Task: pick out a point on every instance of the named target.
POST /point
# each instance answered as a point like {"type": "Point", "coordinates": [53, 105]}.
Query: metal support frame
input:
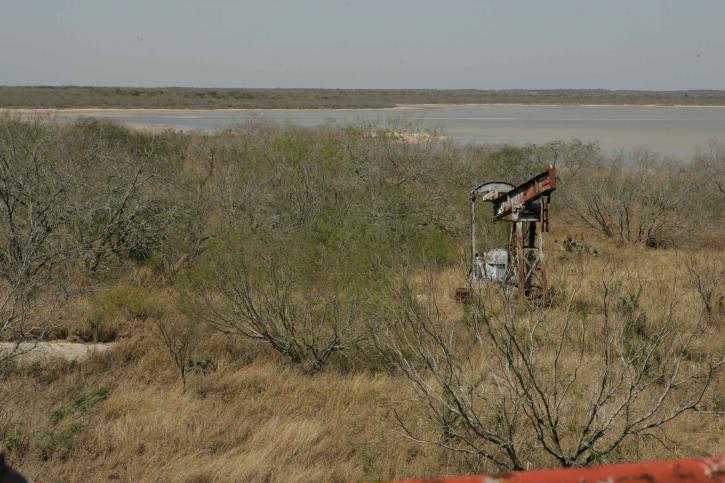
{"type": "Point", "coordinates": [526, 208]}
{"type": "Point", "coordinates": [526, 251]}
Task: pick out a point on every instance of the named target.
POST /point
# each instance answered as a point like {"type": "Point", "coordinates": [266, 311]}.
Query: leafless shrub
{"type": "Point", "coordinates": [33, 191]}
{"type": "Point", "coordinates": [711, 165]}
{"type": "Point", "coordinates": [633, 199]}
{"type": "Point", "coordinates": [305, 325]}
{"type": "Point", "coordinates": [527, 385]}
{"type": "Point", "coordinates": [402, 178]}
{"type": "Point", "coordinates": [172, 206]}
{"type": "Point", "coordinates": [514, 164]}
{"type": "Point", "coordinates": [706, 275]}
{"type": "Point", "coordinates": [180, 336]}
{"type": "Point", "coordinates": [115, 214]}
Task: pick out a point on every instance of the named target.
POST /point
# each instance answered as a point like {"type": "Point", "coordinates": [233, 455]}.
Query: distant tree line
{"type": "Point", "coordinates": [249, 98]}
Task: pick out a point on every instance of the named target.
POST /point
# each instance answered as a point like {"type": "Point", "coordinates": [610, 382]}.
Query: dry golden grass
{"type": "Point", "coordinates": [255, 418]}
{"type": "Point", "coordinates": [259, 421]}
{"type": "Point", "coordinates": [665, 293]}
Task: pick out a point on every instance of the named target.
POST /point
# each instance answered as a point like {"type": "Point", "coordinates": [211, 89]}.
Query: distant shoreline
{"type": "Point", "coordinates": [538, 104]}
{"type": "Point", "coordinates": [399, 107]}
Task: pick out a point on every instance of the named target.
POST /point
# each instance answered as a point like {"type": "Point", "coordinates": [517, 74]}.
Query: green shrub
{"type": "Point", "coordinates": [432, 246]}
{"type": "Point", "coordinates": [80, 404]}
{"type": "Point", "coordinates": [129, 302]}
{"type": "Point", "coordinates": [50, 442]}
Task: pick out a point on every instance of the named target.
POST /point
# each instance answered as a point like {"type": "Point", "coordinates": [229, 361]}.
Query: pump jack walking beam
{"type": "Point", "coordinates": [524, 194]}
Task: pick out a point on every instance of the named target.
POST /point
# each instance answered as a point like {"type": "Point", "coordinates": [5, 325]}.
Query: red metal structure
{"type": "Point", "coordinates": [705, 470]}
{"type": "Point", "coordinates": [526, 207]}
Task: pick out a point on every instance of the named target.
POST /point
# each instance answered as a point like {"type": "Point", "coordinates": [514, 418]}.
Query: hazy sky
{"type": "Point", "coordinates": [628, 44]}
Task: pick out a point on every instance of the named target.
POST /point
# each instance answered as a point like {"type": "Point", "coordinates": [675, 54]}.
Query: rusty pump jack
{"type": "Point", "coordinates": [526, 208]}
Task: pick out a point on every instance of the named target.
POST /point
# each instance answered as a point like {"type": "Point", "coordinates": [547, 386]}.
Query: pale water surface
{"type": "Point", "coordinates": [671, 131]}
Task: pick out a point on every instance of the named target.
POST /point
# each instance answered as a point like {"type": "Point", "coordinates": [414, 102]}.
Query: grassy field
{"type": "Point", "coordinates": [225, 98]}
{"type": "Point", "coordinates": [281, 304]}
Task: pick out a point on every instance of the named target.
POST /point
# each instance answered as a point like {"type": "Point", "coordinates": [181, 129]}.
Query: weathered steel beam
{"type": "Point", "coordinates": [533, 189]}
{"type": "Point", "coordinates": [705, 470]}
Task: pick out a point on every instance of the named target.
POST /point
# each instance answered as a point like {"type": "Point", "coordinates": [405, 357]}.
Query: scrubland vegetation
{"type": "Point", "coordinates": [281, 303]}
{"type": "Point", "coordinates": [248, 98]}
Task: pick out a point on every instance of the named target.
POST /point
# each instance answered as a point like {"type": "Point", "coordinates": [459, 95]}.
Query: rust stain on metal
{"type": "Point", "coordinates": [463, 295]}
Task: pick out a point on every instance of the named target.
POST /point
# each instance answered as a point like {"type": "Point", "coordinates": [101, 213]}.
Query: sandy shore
{"type": "Point", "coordinates": [90, 110]}
{"type": "Point", "coordinates": [534, 104]}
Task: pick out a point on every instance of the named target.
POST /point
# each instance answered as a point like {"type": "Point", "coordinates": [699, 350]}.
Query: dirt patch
{"type": "Point", "coordinates": [69, 351]}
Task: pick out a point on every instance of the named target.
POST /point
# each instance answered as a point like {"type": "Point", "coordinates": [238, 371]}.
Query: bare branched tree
{"type": "Point", "coordinates": [711, 165]}
{"type": "Point", "coordinates": [516, 163]}
{"type": "Point", "coordinates": [706, 275]}
{"type": "Point", "coordinates": [634, 199]}
{"type": "Point", "coordinates": [569, 388]}
{"type": "Point", "coordinates": [33, 190]}
{"type": "Point", "coordinates": [191, 227]}
{"type": "Point", "coordinates": [263, 303]}
{"type": "Point", "coordinates": [113, 215]}
{"type": "Point", "coordinates": [180, 337]}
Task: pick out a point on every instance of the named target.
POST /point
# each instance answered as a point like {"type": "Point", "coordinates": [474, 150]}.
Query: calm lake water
{"type": "Point", "coordinates": [671, 131]}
